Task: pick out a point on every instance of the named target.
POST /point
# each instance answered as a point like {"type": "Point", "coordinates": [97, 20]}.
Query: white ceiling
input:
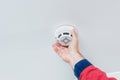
{"type": "Point", "coordinates": [26, 35]}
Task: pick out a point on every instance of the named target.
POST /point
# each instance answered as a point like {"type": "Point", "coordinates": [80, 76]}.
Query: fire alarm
{"type": "Point", "coordinates": [63, 35]}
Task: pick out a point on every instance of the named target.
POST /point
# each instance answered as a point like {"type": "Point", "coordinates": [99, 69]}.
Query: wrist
{"type": "Point", "coordinates": [75, 58]}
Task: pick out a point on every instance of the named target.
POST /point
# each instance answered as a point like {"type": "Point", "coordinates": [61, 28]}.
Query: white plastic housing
{"type": "Point", "coordinates": [63, 35]}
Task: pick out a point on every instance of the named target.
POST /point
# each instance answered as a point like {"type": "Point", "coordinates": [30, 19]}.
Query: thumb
{"type": "Point", "coordinates": [74, 43]}
{"type": "Point", "coordinates": [74, 37]}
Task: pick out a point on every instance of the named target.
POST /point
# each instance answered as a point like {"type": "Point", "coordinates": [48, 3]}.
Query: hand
{"type": "Point", "coordinates": [71, 53]}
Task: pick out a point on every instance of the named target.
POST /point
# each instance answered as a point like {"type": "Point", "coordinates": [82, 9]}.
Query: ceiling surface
{"type": "Point", "coordinates": [27, 33]}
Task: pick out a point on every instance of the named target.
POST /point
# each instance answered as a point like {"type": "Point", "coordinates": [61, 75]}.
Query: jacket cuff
{"type": "Point", "coordinates": [80, 66]}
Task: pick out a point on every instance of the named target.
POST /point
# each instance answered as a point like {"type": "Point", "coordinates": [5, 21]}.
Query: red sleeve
{"type": "Point", "coordinates": [93, 73]}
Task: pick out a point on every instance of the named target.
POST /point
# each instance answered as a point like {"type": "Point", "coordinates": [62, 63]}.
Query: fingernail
{"type": "Point", "coordinates": [72, 29]}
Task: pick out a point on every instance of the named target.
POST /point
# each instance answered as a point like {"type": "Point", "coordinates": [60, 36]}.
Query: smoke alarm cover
{"type": "Point", "coordinates": [63, 35]}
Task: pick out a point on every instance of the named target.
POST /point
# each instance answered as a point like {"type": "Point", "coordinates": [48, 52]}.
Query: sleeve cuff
{"type": "Point", "coordinates": [80, 66]}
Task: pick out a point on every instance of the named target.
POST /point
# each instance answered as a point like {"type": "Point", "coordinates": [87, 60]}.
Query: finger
{"type": "Point", "coordinates": [59, 51]}
{"type": "Point", "coordinates": [74, 38]}
{"type": "Point", "coordinates": [74, 43]}
{"type": "Point", "coordinates": [57, 48]}
{"type": "Point", "coordinates": [74, 34]}
{"type": "Point", "coordinates": [58, 44]}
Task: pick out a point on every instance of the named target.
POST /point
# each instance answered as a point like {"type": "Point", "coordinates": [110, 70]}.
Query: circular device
{"type": "Point", "coordinates": [63, 35]}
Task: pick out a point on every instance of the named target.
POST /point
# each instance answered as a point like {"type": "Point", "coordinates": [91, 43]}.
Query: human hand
{"type": "Point", "coordinates": [71, 53]}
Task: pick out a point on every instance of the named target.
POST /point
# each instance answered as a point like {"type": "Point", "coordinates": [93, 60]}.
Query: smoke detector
{"type": "Point", "coordinates": [63, 35]}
